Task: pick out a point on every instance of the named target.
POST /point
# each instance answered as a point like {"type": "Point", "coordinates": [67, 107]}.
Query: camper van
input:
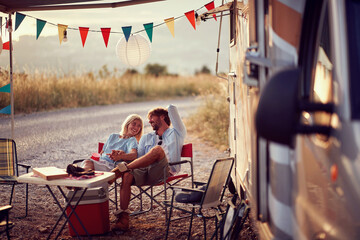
{"type": "Point", "coordinates": [294, 100]}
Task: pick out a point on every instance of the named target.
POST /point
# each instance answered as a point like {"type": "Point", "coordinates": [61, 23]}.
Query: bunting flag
{"type": "Point", "coordinates": [170, 24]}
{"type": "Point", "coordinates": [6, 46]}
{"type": "Point", "coordinates": [149, 30]}
{"type": "Point", "coordinates": [211, 6]}
{"type": "Point", "coordinates": [5, 88]}
{"type": "Point", "coordinates": [127, 32]}
{"type": "Point", "coordinates": [6, 110]}
{"type": "Point", "coordinates": [61, 28]}
{"type": "Point", "coordinates": [191, 17]}
{"type": "Point", "coordinates": [39, 27]}
{"type": "Point", "coordinates": [105, 33]}
{"type": "Point", "coordinates": [18, 19]}
{"type": "Point", "coordinates": [83, 34]}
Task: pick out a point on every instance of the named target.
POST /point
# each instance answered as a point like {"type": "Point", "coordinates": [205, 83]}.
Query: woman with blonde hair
{"type": "Point", "coordinates": [123, 144]}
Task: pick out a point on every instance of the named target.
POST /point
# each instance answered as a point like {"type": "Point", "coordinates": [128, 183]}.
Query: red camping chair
{"type": "Point", "coordinates": [186, 157]}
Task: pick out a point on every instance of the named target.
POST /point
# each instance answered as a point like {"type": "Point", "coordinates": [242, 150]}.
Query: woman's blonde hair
{"type": "Point", "coordinates": [126, 123]}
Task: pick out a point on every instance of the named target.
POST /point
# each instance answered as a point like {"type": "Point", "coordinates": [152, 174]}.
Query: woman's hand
{"type": "Point", "coordinates": [115, 155]}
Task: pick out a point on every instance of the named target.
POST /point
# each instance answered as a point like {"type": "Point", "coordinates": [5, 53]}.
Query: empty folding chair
{"type": "Point", "coordinates": [197, 199]}
{"type": "Point", "coordinates": [9, 170]}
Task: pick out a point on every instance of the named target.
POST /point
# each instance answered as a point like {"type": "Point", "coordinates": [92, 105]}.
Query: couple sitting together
{"type": "Point", "coordinates": [141, 160]}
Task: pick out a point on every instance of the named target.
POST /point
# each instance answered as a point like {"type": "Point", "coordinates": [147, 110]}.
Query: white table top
{"type": "Point", "coordinates": [84, 183]}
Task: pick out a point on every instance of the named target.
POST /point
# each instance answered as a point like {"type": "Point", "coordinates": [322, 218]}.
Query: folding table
{"type": "Point", "coordinates": [79, 185]}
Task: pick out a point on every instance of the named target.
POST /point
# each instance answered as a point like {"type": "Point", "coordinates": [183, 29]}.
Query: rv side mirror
{"type": "Point", "coordinates": [277, 115]}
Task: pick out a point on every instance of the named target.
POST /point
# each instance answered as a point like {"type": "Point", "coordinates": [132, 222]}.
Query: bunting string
{"type": "Point", "coordinates": [126, 31]}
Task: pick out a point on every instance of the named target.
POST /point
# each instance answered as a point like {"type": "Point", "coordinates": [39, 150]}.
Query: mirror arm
{"type": "Point", "coordinates": [305, 129]}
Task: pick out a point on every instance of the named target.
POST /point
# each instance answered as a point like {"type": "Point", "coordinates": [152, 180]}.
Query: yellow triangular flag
{"type": "Point", "coordinates": [61, 28]}
{"type": "Point", "coordinates": [170, 24]}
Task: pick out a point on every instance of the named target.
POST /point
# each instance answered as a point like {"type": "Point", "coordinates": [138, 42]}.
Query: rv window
{"type": "Point", "coordinates": [353, 24]}
{"type": "Point", "coordinates": [323, 85]}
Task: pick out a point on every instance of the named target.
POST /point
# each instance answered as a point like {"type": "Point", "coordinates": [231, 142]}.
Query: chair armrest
{"type": "Point", "coordinates": [186, 189]}
{"type": "Point", "coordinates": [5, 208]}
{"type": "Point", "coordinates": [24, 166]}
{"type": "Point", "coordinates": [179, 162]}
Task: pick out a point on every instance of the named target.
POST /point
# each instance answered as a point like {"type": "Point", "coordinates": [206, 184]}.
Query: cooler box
{"type": "Point", "coordinates": [93, 211]}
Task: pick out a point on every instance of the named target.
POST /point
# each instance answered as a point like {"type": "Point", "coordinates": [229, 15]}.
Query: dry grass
{"type": "Point", "coordinates": [41, 92]}
{"type": "Point", "coordinates": [211, 122]}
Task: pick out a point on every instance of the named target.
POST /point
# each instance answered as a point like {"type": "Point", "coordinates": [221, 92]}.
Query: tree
{"type": "Point", "coordinates": [204, 70]}
{"type": "Point", "coordinates": [156, 69]}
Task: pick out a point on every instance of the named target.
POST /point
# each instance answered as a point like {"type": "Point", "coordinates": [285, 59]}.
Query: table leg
{"type": "Point", "coordinates": [64, 212]}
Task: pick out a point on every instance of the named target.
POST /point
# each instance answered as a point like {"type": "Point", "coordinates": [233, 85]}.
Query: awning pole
{"type": "Point", "coordinates": [11, 79]}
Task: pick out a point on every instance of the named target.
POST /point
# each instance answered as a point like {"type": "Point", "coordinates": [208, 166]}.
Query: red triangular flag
{"type": "Point", "coordinates": [211, 6]}
{"type": "Point", "coordinates": [83, 33]}
{"type": "Point", "coordinates": [191, 17]}
{"type": "Point", "coordinates": [106, 33]}
{"type": "Point", "coordinates": [6, 46]}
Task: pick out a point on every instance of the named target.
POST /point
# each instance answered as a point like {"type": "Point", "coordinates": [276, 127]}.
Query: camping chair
{"type": "Point", "coordinates": [208, 196]}
{"type": "Point", "coordinates": [186, 157]}
{"type": "Point", "coordinates": [9, 167]}
{"type": "Point", "coordinates": [5, 224]}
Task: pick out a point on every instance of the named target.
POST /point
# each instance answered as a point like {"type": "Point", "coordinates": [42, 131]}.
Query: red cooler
{"type": "Point", "coordinates": [93, 211]}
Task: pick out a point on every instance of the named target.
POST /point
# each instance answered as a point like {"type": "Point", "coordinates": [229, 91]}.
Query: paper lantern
{"type": "Point", "coordinates": [133, 52]}
{"type": "Point", "coordinates": [1, 45]}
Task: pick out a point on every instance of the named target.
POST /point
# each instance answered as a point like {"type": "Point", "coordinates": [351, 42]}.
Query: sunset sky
{"type": "Point", "coordinates": [185, 53]}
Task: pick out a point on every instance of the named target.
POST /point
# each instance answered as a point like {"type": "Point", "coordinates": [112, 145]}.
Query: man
{"type": "Point", "coordinates": [155, 151]}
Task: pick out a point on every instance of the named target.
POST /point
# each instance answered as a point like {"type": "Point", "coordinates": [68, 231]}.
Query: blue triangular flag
{"type": "Point", "coordinates": [39, 27]}
{"type": "Point", "coordinates": [6, 110]}
{"type": "Point", "coordinates": [5, 88]}
{"type": "Point", "coordinates": [149, 30]}
{"type": "Point", "coordinates": [127, 31]}
{"type": "Point", "coordinates": [18, 19]}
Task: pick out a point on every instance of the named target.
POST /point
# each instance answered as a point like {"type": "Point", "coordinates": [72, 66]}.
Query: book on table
{"type": "Point", "coordinates": [50, 173]}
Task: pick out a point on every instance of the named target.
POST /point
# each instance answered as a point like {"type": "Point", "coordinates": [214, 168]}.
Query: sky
{"type": "Point", "coordinates": [183, 54]}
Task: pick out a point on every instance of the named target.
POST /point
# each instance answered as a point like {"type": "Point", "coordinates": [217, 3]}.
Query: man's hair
{"type": "Point", "coordinates": [160, 112]}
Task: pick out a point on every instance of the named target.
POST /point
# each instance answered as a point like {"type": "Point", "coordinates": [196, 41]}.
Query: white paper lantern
{"type": "Point", "coordinates": [133, 52]}
{"type": "Point", "coordinates": [1, 45]}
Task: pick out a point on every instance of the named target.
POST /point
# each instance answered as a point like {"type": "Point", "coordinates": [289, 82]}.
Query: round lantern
{"type": "Point", "coordinates": [133, 52]}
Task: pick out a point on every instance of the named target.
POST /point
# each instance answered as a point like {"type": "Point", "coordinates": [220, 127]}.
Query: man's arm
{"type": "Point", "coordinates": [176, 121]}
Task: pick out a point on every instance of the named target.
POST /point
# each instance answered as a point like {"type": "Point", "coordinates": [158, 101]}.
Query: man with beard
{"type": "Point", "coordinates": [155, 151]}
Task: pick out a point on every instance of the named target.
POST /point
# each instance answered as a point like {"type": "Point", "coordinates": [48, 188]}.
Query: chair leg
{"type": "Point", "coordinates": [12, 193]}
{"type": "Point", "coordinates": [26, 199]}
{"type": "Point", "coordinates": [169, 219]}
{"type": "Point", "coordinates": [116, 196]}
{"type": "Point", "coordinates": [191, 221]}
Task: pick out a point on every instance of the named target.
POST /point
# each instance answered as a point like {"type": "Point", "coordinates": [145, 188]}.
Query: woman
{"type": "Point", "coordinates": [126, 142]}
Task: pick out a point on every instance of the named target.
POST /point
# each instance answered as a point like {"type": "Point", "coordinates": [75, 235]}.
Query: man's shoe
{"type": "Point", "coordinates": [122, 223]}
